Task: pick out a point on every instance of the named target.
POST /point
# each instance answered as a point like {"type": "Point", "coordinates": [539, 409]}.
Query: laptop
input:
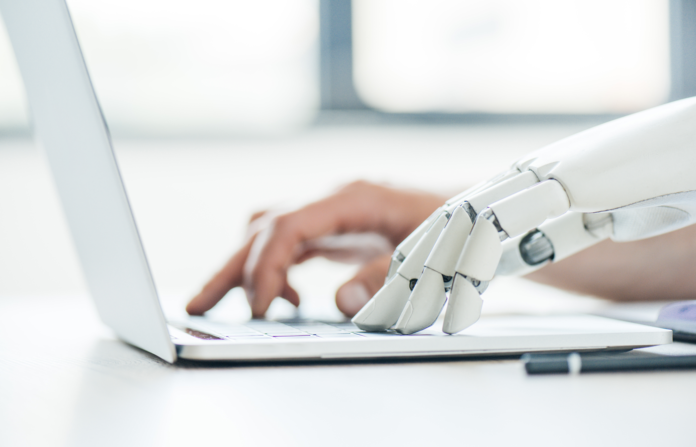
{"type": "Point", "coordinates": [69, 124]}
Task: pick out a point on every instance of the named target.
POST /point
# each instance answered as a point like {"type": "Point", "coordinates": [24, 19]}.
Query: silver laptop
{"type": "Point", "coordinates": [68, 123]}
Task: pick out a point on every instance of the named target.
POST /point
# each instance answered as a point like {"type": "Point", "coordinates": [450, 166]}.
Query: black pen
{"type": "Point", "coordinates": [575, 362]}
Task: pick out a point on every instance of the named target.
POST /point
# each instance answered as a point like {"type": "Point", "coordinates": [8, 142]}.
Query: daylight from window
{"type": "Point", "coordinates": [507, 56]}
{"type": "Point", "coordinates": [177, 66]}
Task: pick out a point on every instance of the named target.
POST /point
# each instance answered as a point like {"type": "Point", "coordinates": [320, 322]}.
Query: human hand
{"type": "Point", "coordinates": [337, 227]}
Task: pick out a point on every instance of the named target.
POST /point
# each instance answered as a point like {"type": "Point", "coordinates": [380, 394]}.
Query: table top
{"type": "Point", "coordinates": [66, 381]}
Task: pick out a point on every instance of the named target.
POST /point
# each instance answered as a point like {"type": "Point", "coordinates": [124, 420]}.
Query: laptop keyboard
{"type": "Point", "coordinates": [264, 330]}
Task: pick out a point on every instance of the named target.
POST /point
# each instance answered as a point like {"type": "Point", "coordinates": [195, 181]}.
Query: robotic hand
{"type": "Point", "coordinates": [629, 179]}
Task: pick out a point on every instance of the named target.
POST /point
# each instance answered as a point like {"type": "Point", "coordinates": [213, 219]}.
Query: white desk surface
{"type": "Point", "coordinates": [65, 381]}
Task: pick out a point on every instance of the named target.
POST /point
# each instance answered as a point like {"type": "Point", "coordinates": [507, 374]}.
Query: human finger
{"type": "Point", "coordinates": [257, 215]}
{"type": "Point", "coordinates": [290, 294]}
{"type": "Point", "coordinates": [229, 277]}
{"type": "Point", "coordinates": [353, 295]}
{"type": "Point", "coordinates": [275, 248]}
{"type": "Point", "coordinates": [355, 248]}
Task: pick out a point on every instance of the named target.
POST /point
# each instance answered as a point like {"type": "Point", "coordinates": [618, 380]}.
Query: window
{"type": "Point", "coordinates": [175, 66]}
{"type": "Point", "coordinates": [506, 56]}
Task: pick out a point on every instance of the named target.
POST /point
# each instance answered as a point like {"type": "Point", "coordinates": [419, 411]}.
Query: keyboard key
{"type": "Point", "coordinates": [250, 336]}
{"type": "Point", "coordinates": [321, 329]}
{"type": "Point", "coordinates": [349, 327]}
{"type": "Point", "coordinates": [235, 333]}
{"type": "Point", "coordinates": [340, 335]}
{"type": "Point", "coordinates": [378, 334]}
{"type": "Point", "coordinates": [303, 334]}
{"type": "Point", "coordinates": [226, 329]}
{"type": "Point", "coordinates": [285, 332]}
{"type": "Point", "coordinates": [263, 338]}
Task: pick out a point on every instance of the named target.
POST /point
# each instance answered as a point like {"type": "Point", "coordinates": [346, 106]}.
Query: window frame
{"type": "Point", "coordinates": [338, 93]}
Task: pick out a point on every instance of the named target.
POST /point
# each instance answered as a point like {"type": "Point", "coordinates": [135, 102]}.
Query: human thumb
{"type": "Point", "coordinates": [354, 294]}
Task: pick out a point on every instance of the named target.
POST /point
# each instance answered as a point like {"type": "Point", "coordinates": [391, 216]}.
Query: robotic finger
{"type": "Point", "coordinates": [479, 258]}
{"type": "Point", "coordinates": [407, 245]}
{"type": "Point", "coordinates": [424, 262]}
{"type": "Point", "coordinates": [382, 311]}
{"type": "Point", "coordinates": [553, 241]}
{"type": "Point", "coordinates": [510, 217]}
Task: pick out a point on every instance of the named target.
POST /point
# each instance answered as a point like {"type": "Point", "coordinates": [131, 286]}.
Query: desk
{"type": "Point", "coordinates": [67, 382]}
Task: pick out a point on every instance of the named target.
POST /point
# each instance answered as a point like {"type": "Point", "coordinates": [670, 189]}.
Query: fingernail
{"type": "Point", "coordinates": [352, 297]}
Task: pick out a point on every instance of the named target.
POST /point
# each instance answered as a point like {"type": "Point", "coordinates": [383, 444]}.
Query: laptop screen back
{"type": "Point", "coordinates": [69, 125]}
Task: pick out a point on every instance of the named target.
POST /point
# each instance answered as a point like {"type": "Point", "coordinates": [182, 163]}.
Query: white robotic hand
{"type": "Point", "coordinates": [629, 179]}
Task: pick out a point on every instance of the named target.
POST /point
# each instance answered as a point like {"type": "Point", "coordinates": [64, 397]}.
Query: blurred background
{"type": "Point", "coordinates": [221, 108]}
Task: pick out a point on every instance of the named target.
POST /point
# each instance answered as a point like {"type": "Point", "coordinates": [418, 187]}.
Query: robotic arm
{"type": "Point", "coordinates": [628, 179]}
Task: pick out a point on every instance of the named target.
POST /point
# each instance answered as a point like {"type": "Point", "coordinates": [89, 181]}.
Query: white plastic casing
{"type": "Point", "coordinates": [412, 239]}
{"type": "Point", "coordinates": [464, 307]}
{"type": "Point", "coordinates": [450, 243]}
{"type": "Point", "coordinates": [404, 248]}
{"type": "Point", "coordinates": [617, 163]}
{"type": "Point", "coordinates": [503, 176]}
{"type": "Point", "coordinates": [528, 209]}
{"type": "Point", "coordinates": [384, 309]}
{"type": "Point", "coordinates": [481, 253]}
{"type": "Point", "coordinates": [512, 185]}
{"type": "Point", "coordinates": [568, 235]}
{"type": "Point", "coordinates": [422, 309]}
{"type": "Point", "coordinates": [413, 264]}
{"type": "Point", "coordinates": [511, 262]}
{"type": "Point", "coordinates": [448, 247]}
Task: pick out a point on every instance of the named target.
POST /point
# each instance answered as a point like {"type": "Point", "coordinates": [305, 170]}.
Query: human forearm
{"type": "Point", "coordinates": [659, 268]}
